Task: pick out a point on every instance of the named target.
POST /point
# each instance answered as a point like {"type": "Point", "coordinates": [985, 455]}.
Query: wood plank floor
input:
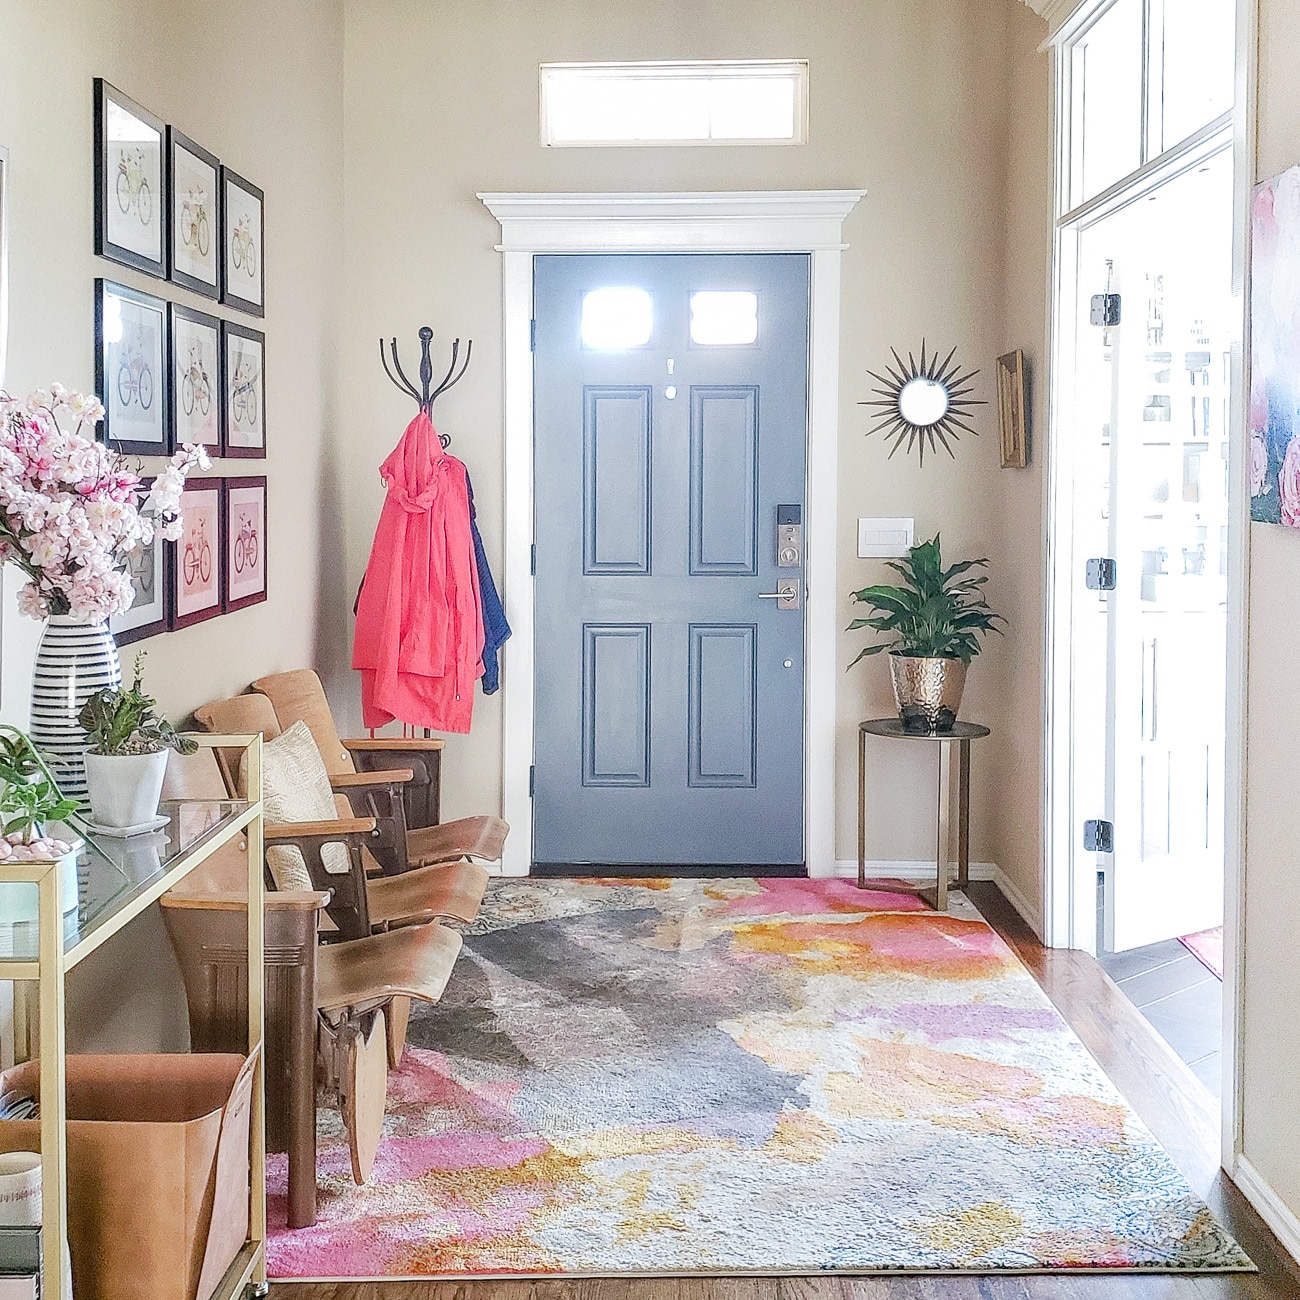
{"type": "Point", "coordinates": [1158, 1085]}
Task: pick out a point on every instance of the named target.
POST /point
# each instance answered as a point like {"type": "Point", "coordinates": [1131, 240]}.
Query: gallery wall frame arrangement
{"type": "Point", "coordinates": [130, 182]}
{"type": "Point", "coordinates": [1013, 410]}
{"type": "Point", "coordinates": [150, 612]}
{"type": "Point", "coordinates": [131, 369]}
{"type": "Point", "coordinates": [245, 531]}
{"type": "Point", "coordinates": [242, 262]}
{"type": "Point", "coordinates": [243, 391]}
{"type": "Point", "coordinates": [194, 249]}
{"type": "Point", "coordinates": [198, 556]}
{"type": "Point", "coordinates": [194, 343]}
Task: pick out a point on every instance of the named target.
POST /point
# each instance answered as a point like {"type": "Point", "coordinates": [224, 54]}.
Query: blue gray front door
{"type": "Point", "coordinates": [670, 409]}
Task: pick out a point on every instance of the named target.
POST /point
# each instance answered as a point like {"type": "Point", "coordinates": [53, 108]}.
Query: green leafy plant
{"type": "Point", "coordinates": [123, 721]}
{"type": "Point", "coordinates": [934, 613]}
{"type": "Point", "coordinates": [30, 796]}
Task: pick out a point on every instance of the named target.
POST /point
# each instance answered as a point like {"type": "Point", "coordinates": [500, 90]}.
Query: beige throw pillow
{"type": "Point", "coordinates": [296, 788]}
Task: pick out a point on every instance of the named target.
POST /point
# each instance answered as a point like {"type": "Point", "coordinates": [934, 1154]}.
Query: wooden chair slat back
{"type": "Point", "coordinates": [298, 696]}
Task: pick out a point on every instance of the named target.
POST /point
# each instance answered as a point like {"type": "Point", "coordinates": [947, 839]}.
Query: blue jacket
{"type": "Point", "coordinates": [496, 631]}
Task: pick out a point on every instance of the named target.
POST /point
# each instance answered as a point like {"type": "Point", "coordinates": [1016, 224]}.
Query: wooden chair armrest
{"type": "Point", "coordinates": [295, 900]}
{"type": "Point", "coordinates": [395, 743]}
{"type": "Point", "coordinates": [362, 780]}
{"type": "Point", "coordinates": [340, 829]}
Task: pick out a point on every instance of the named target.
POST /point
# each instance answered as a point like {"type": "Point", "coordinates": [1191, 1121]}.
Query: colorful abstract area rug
{"type": "Point", "coordinates": [745, 1076]}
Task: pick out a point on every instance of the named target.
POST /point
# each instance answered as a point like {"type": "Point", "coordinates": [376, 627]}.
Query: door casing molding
{"type": "Point", "coordinates": [799, 221]}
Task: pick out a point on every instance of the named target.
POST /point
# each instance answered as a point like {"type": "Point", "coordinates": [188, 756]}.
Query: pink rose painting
{"type": "Point", "coordinates": [1275, 353]}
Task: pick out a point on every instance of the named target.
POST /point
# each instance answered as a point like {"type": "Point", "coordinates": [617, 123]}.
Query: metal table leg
{"type": "Point", "coordinates": [862, 809]}
{"type": "Point", "coordinates": [963, 818]}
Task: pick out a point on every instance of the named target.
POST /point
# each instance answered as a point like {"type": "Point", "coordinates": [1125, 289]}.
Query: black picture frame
{"type": "Point", "coordinates": [135, 184]}
{"type": "Point", "coordinates": [233, 409]}
{"type": "Point", "coordinates": [187, 556]}
{"type": "Point", "coordinates": [120, 382]}
{"type": "Point", "coordinates": [158, 554]}
{"type": "Point", "coordinates": [188, 228]}
{"type": "Point", "coordinates": [235, 542]}
{"type": "Point", "coordinates": [182, 317]}
{"type": "Point", "coordinates": [235, 247]}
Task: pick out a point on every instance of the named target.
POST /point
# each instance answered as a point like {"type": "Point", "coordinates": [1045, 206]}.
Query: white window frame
{"type": "Point", "coordinates": [704, 69]}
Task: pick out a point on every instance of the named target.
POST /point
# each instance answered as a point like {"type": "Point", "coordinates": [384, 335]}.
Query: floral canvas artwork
{"type": "Point", "coordinates": [1275, 353]}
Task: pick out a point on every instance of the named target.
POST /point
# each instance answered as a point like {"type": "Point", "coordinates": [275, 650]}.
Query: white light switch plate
{"type": "Point", "coordinates": [885, 539]}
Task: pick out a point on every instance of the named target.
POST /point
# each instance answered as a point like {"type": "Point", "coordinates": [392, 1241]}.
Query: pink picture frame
{"type": "Point", "coordinates": [245, 541]}
{"type": "Point", "coordinates": [199, 556]}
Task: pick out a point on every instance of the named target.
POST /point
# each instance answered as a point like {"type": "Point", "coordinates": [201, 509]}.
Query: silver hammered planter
{"type": "Point", "coordinates": [73, 661]}
{"type": "Point", "coordinates": [927, 691]}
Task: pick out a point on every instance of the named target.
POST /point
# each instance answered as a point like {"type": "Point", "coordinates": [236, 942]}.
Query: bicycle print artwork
{"type": "Point", "coordinates": [246, 545]}
{"type": "Point", "coordinates": [195, 233]}
{"type": "Point", "coordinates": [132, 369]}
{"type": "Point", "coordinates": [242, 225]}
{"type": "Point", "coordinates": [245, 391]}
{"type": "Point", "coordinates": [196, 340]}
{"type": "Point", "coordinates": [130, 195]}
{"type": "Point", "coordinates": [196, 578]}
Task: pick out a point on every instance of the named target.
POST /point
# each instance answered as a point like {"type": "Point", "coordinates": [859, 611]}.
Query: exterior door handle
{"type": "Point", "coordinates": [786, 595]}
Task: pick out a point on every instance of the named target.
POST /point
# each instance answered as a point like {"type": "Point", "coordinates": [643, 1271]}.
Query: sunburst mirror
{"type": "Point", "coordinates": [925, 401]}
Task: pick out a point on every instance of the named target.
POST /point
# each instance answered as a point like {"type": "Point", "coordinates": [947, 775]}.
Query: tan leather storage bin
{"type": "Point", "coordinates": [158, 1182]}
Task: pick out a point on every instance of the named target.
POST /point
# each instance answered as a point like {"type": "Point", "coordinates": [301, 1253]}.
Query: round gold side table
{"type": "Point", "coordinates": [961, 735]}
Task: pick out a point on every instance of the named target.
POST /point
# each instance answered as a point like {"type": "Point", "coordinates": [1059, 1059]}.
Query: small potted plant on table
{"type": "Point", "coordinates": [936, 617]}
{"type": "Point", "coordinates": [126, 759]}
{"type": "Point", "coordinates": [32, 809]}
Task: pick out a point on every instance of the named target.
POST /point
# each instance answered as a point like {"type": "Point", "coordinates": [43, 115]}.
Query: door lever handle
{"type": "Point", "coordinates": [786, 595]}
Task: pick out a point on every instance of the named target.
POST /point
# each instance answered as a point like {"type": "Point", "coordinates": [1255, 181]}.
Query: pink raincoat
{"type": "Point", "coordinates": [419, 635]}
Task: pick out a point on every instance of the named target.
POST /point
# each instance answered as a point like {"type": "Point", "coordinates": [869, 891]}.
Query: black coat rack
{"type": "Point", "coordinates": [427, 395]}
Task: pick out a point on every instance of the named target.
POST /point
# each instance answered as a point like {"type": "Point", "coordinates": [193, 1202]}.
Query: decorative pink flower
{"type": "Point", "coordinates": [71, 511]}
{"type": "Point", "coordinates": [1258, 463]}
{"type": "Point", "coordinates": [1288, 484]}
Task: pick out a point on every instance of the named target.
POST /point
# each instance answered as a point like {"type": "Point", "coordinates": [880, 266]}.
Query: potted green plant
{"type": "Point", "coordinates": [126, 758]}
{"type": "Point", "coordinates": [935, 618]}
{"type": "Point", "coordinates": [32, 809]}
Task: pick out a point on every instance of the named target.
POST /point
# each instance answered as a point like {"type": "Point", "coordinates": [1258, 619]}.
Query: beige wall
{"type": "Point", "coordinates": [269, 103]}
{"type": "Point", "coordinates": [261, 86]}
{"type": "Point", "coordinates": [912, 100]}
{"type": "Point", "coordinates": [1271, 1074]}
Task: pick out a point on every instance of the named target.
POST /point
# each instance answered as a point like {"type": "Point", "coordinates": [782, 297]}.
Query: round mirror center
{"type": "Point", "coordinates": [922, 402]}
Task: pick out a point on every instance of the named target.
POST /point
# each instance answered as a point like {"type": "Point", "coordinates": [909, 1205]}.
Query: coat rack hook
{"type": "Point", "coordinates": [426, 394]}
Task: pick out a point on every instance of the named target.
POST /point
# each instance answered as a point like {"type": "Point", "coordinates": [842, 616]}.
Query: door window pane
{"type": "Point", "coordinates": [1107, 86]}
{"type": "Point", "coordinates": [724, 318]}
{"type": "Point", "coordinates": [616, 318]}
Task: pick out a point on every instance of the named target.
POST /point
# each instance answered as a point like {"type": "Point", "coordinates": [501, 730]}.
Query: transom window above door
{"type": "Point", "coordinates": [1144, 76]}
{"type": "Point", "coordinates": [700, 102]}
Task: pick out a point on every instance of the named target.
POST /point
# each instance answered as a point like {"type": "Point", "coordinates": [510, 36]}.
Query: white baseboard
{"type": "Point", "coordinates": [918, 871]}
{"type": "Point", "coordinates": [1268, 1205]}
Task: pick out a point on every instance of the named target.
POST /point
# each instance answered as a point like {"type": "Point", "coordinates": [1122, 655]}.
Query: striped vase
{"type": "Point", "coordinates": [73, 661]}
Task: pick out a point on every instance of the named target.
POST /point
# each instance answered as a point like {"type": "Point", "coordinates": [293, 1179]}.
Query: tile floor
{"type": "Point", "coordinates": [1180, 998]}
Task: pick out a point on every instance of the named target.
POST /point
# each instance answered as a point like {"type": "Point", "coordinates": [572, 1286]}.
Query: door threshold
{"type": "Point", "coordinates": [689, 870]}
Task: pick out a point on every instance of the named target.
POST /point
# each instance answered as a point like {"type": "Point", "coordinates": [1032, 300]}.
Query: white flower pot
{"type": "Point", "coordinates": [125, 788]}
{"type": "Point", "coordinates": [18, 902]}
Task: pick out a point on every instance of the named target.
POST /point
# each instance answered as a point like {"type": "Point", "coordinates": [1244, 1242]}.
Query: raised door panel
{"type": "Point", "coordinates": [723, 702]}
{"type": "Point", "coordinates": [724, 480]}
{"type": "Point", "coordinates": [616, 480]}
{"type": "Point", "coordinates": [616, 705]}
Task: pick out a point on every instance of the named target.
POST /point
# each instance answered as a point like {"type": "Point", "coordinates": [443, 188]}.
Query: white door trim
{"type": "Point", "coordinates": [744, 222]}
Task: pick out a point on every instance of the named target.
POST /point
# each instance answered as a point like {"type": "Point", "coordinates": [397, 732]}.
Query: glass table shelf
{"type": "Point", "coordinates": [117, 878]}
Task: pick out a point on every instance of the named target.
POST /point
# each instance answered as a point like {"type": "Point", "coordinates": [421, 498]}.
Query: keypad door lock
{"type": "Point", "coordinates": [789, 537]}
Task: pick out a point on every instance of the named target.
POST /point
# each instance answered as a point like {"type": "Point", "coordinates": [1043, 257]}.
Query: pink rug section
{"type": "Point", "coordinates": [1207, 948]}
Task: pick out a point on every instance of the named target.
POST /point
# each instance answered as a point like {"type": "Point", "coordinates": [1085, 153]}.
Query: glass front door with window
{"type": "Point", "coordinates": [1144, 375]}
{"type": "Point", "coordinates": [1153, 370]}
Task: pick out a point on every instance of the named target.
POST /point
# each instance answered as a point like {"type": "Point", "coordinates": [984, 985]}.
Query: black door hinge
{"type": "Point", "coordinates": [1101, 575]}
{"type": "Point", "coordinates": [532, 781]}
{"type": "Point", "coordinates": [1099, 837]}
{"type": "Point", "coordinates": [1107, 308]}
{"type": "Point", "coordinates": [532, 560]}
{"type": "Point", "coordinates": [532, 336]}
